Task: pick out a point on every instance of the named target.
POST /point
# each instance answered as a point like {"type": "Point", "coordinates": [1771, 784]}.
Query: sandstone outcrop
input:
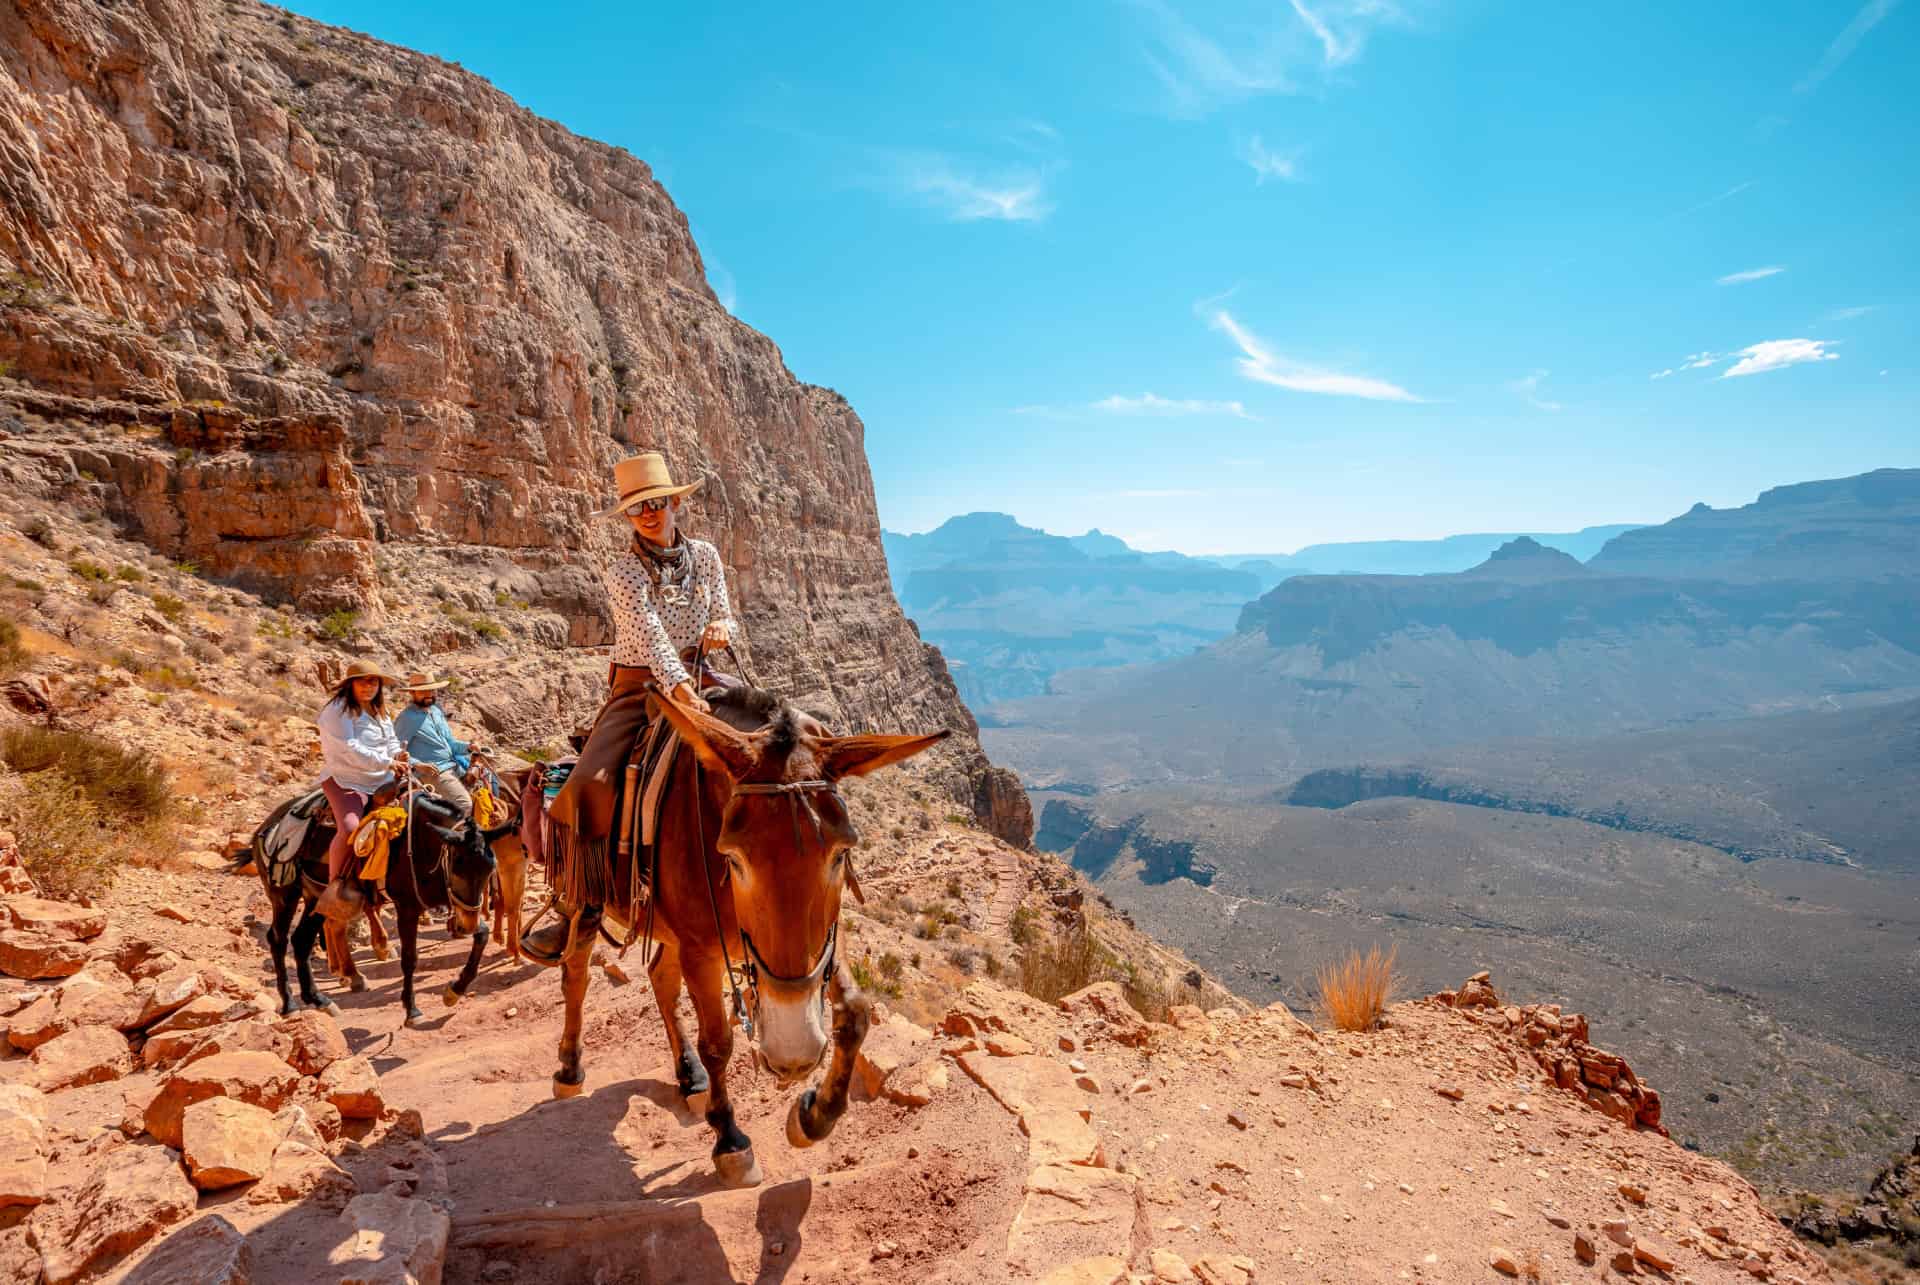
{"type": "Point", "coordinates": [335, 320]}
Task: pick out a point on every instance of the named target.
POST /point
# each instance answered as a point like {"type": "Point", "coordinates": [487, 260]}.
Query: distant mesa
{"type": "Point", "coordinates": [1524, 557]}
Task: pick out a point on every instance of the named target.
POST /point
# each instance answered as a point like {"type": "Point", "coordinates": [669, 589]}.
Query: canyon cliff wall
{"type": "Point", "coordinates": [316, 313]}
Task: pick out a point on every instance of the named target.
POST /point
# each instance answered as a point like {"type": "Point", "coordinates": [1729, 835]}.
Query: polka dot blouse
{"type": "Point", "coordinates": [653, 625]}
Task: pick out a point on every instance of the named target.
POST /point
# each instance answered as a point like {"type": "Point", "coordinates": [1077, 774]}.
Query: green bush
{"type": "Point", "coordinates": [87, 569]}
{"type": "Point", "coordinates": [488, 629]}
{"type": "Point", "coordinates": [64, 841]}
{"type": "Point", "coordinates": [128, 572]}
{"type": "Point", "coordinates": [13, 652]}
{"type": "Point", "coordinates": [126, 785]}
{"type": "Point", "coordinates": [169, 606]}
{"type": "Point", "coordinates": [340, 625]}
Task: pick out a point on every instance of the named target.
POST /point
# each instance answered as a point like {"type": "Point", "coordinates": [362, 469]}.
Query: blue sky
{"type": "Point", "coordinates": [1242, 277]}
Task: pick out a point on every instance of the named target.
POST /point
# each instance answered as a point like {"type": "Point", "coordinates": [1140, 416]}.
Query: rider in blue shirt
{"type": "Point", "coordinates": [438, 756]}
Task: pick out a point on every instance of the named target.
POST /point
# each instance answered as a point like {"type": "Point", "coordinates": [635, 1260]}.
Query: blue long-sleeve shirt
{"type": "Point", "coordinates": [429, 739]}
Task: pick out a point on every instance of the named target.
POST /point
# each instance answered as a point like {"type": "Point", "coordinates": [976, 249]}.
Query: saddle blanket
{"type": "Point", "coordinates": [279, 847]}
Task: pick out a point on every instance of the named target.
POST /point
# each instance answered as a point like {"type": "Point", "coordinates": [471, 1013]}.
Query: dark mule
{"type": "Point", "coordinates": [753, 858]}
{"type": "Point", "coordinates": [449, 870]}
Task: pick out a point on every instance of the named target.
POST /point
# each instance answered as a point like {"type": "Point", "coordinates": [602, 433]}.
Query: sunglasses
{"type": "Point", "coordinates": [654, 505]}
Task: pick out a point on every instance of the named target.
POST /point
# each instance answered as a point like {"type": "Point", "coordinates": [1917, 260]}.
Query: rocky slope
{"type": "Point", "coordinates": [335, 321]}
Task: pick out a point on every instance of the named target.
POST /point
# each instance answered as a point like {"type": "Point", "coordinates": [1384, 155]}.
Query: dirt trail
{"type": "Point", "coordinates": [1241, 1142]}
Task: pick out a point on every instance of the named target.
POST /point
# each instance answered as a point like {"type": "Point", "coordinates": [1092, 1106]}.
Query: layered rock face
{"type": "Point", "coordinates": [283, 299]}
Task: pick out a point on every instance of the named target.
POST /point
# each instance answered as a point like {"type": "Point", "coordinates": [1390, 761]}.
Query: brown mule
{"type": "Point", "coordinates": [753, 858]}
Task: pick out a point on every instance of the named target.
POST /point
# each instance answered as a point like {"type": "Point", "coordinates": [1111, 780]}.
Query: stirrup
{"type": "Point", "coordinates": [551, 945]}
{"type": "Point", "coordinates": [342, 900]}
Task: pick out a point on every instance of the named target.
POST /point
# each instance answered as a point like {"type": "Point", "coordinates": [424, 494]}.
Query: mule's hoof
{"type": "Point", "coordinates": [797, 1131]}
{"type": "Point", "coordinates": [356, 983]}
{"type": "Point", "coordinates": [738, 1168]}
{"type": "Point", "coordinates": [383, 952]}
{"type": "Point", "coordinates": [450, 996]}
{"type": "Point", "coordinates": [561, 1089]}
{"type": "Point", "coordinates": [416, 1020]}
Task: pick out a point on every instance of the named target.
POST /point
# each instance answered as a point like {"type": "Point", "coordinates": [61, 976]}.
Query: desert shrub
{"type": "Point", "coordinates": [13, 652]}
{"type": "Point", "coordinates": [1020, 927]}
{"type": "Point", "coordinates": [1354, 992]}
{"type": "Point", "coordinates": [87, 569]}
{"type": "Point", "coordinates": [127, 786]}
{"type": "Point", "coordinates": [202, 650]}
{"type": "Point", "coordinates": [66, 844]}
{"type": "Point", "coordinates": [128, 572]}
{"type": "Point", "coordinates": [954, 889]}
{"type": "Point", "coordinates": [492, 631]}
{"type": "Point", "coordinates": [891, 966]}
{"type": "Point", "coordinates": [169, 606]}
{"type": "Point", "coordinates": [39, 529]}
{"type": "Point", "coordinates": [338, 626]}
{"type": "Point", "coordinates": [866, 980]}
{"type": "Point", "coordinates": [100, 592]}
{"type": "Point", "coordinates": [27, 583]}
{"type": "Point", "coordinates": [1060, 965]}
{"type": "Point", "coordinates": [964, 958]}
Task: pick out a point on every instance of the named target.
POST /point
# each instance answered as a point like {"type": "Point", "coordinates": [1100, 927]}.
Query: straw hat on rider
{"type": "Point", "coordinates": [367, 669]}
{"type": "Point", "coordinates": [418, 682]}
{"type": "Point", "coordinates": [643, 477]}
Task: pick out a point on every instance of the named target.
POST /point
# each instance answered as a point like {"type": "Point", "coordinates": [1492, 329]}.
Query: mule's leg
{"type": "Point", "coordinates": [575, 972]}
{"type": "Point", "coordinates": [409, 956]}
{"type": "Point", "coordinates": [815, 1112]}
{"type": "Point", "coordinates": [303, 939]}
{"type": "Point", "coordinates": [665, 976]}
{"type": "Point", "coordinates": [338, 944]}
{"type": "Point", "coordinates": [279, 931]}
{"type": "Point", "coordinates": [376, 933]}
{"type": "Point", "coordinates": [732, 1149]}
{"type": "Point", "coordinates": [512, 860]}
{"type": "Point", "coordinates": [459, 985]}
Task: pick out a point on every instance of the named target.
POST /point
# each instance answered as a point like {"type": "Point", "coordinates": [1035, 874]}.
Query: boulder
{"type": "Point", "coordinates": [207, 1251]}
{"type": "Point", "coordinates": [918, 1085]}
{"type": "Point", "coordinates": [30, 954]}
{"type": "Point", "coordinates": [247, 1035]}
{"type": "Point", "coordinates": [258, 1079]}
{"type": "Point", "coordinates": [1224, 1269]}
{"type": "Point", "coordinates": [889, 1047]}
{"type": "Point", "coordinates": [1107, 1269]}
{"type": "Point", "coordinates": [35, 1024]}
{"type": "Point", "coordinates": [125, 1204]}
{"type": "Point", "coordinates": [23, 1145]}
{"type": "Point", "coordinates": [1104, 1009]}
{"type": "Point", "coordinates": [54, 918]}
{"type": "Point", "coordinates": [391, 1238]}
{"type": "Point", "coordinates": [172, 989]}
{"type": "Point", "coordinates": [1168, 1267]}
{"type": "Point", "coordinates": [198, 1013]}
{"type": "Point", "coordinates": [302, 1172]}
{"type": "Point", "coordinates": [1060, 1137]}
{"type": "Point", "coordinates": [314, 1040]}
{"type": "Point", "coordinates": [98, 995]}
{"type": "Point", "coordinates": [226, 1142]}
{"type": "Point", "coordinates": [353, 1087]}
{"type": "Point", "coordinates": [89, 1055]}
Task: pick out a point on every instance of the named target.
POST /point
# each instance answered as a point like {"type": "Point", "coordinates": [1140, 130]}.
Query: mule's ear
{"type": "Point", "coordinates": [499, 832]}
{"type": "Point", "coordinates": [446, 835]}
{"type": "Point", "coordinates": [721, 748]}
{"type": "Point", "coordinates": [845, 756]}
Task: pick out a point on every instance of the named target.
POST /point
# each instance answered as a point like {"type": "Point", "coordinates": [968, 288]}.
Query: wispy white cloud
{"type": "Point", "coordinates": [1200, 71]}
{"type": "Point", "coordinates": [1849, 314]}
{"type": "Point", "coordinates": [1778, 354]}
{"type": "Point", "coordinates": [1153, 404]}
{"type": "Point", "coordinates": [1016, 197]}
{"type": "Point", "coordinates": [1694, 361]}
{"type": "Point", "coordinates": [1727, 195]}
{"type": "Point", "coordinates": [1843, 44]}
{"type": "Point", "coordinates": [1267, 163]}
{"type": "Point", "coordinates": [1751, 274]}
{"type": "Point", "coordinates": [1529, 389]}
{"type": "Point", "coordinates": [1261, 364]}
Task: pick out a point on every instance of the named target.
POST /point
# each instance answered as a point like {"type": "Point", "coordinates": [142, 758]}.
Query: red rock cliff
{"type": "Point", "coordinates": [282, 298]}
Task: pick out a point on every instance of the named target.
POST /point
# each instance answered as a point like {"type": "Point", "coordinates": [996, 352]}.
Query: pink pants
{"type": "Point", "coordinates": [348, 807]}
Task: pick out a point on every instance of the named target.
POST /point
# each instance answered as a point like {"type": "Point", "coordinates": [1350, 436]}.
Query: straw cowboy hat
{"type": "Point", "coordinates": [417, 682]}
{"type": "Point", "coordinates": [367, 669]}
{"type": "Point", "coordinates": [643, 477]}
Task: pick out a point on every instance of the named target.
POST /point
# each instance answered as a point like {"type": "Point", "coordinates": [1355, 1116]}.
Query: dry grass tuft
{"type": "Point", "coordinates": [128, 786]}
{"type": "Point", "coordinates": [70, 851]}
{"type": "Point", "coordinates": [1355, 991]}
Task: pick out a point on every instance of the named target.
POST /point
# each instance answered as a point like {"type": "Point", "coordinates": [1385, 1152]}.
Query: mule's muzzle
{"type": "Point", "coordinates": [791, 1031]}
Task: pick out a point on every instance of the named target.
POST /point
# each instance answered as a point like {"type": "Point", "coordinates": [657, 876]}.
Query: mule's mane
{"type": "Point", "coordinates": [751, 709]}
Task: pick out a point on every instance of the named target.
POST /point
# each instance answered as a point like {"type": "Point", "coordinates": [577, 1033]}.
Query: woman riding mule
{"type": "Point", "coordinates": [669, 597]}
{"type": "Point", "coordinates": [360, 754]}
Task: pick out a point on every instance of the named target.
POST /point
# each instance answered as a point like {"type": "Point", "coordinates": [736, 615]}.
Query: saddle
{"type": "Point", "coordinates": [277, 848]}
{"type": "Point", "coordinates": [636, 818]}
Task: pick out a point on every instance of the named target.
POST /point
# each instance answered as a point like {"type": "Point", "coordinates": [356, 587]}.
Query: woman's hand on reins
{"type": "Point", "coordinates": [718, 634]}
{"type": "Point", "coordinates": [683, 694]}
